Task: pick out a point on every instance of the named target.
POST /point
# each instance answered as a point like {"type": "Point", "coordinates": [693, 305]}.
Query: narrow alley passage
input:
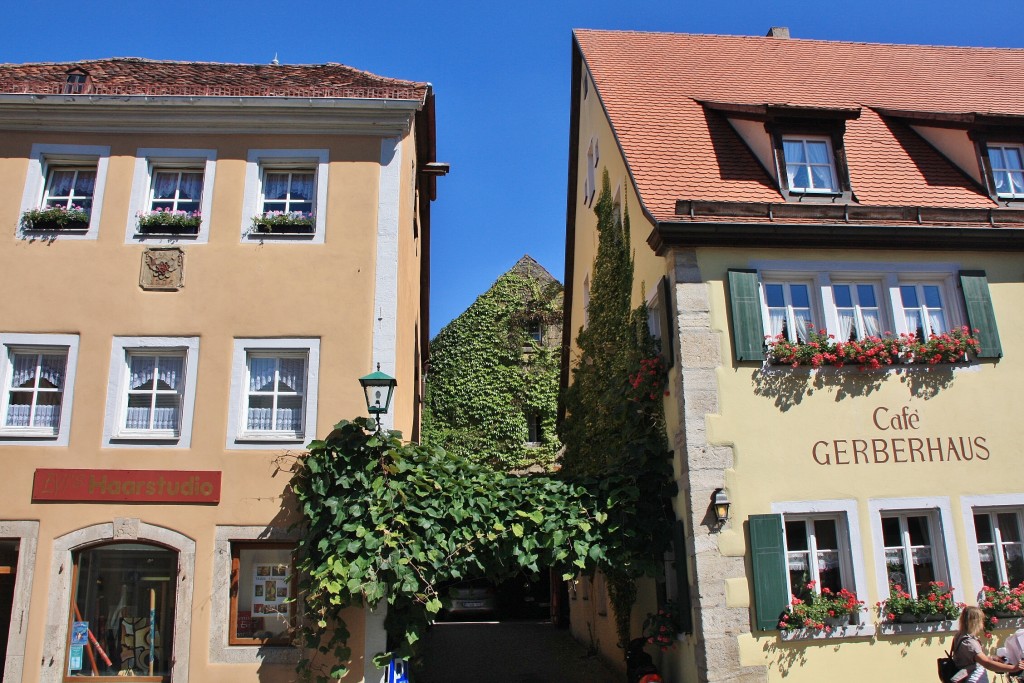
{"type": "Point", "coordinates": [508, 652]}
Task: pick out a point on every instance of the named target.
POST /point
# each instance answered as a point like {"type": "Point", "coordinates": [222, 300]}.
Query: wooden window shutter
{"type": "Point", "coordinates": [680, 556]}
{"type": "Point", "coordinates": [980, 314]}
{"type": "Point", "coordinates": [668, 317]}
{"type": "Point", "coordinates": [768, 561]}
{"type": "Point", "coordinates": [747, 325]}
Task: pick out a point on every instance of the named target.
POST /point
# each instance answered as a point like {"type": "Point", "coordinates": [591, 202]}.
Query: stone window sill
{"type": "Point", "coordinates": [852, 631]}
{"type": "Point", "coordinates": [896, 629]}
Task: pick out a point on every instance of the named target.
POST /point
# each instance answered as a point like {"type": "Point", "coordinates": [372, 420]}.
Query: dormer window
{"type": "Point", "coordinates": [76, 83]}
{"type": "Point", "coordinates": [1007, 170]}
{"type": "Point", "coordinates": [810, 164]}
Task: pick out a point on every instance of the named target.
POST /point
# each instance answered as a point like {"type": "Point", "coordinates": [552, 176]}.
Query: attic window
{"type": "Point", "coordinates": [76, 82]}
{"type": "Point", "coordinates": [810, 164]}
{"type": "Point", "coordinates": [1007, 170]}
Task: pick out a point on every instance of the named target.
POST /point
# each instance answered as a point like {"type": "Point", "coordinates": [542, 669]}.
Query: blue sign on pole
{"type": "Point", "coordinates": [398, 671]}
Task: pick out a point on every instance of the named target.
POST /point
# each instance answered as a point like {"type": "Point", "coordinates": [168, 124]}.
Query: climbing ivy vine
{"type": "Point", "coordinates": [613, 430]}
{"type": "Point", "coordinates": [387, 523]}
{"type": "Point", "coordinates": [487, 376]}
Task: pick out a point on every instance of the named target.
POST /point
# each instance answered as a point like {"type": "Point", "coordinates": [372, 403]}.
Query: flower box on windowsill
{"type": "Point", "coordinates": [54, 226]}
{"type": "Point", "coordinates": [55, 219]}
{"type": "Point", "coordinates": [169, 223]}
{"type": "Point", "coordinates": [890, 628]}
{"type": "Point", "coordinates": [277, 223]}
{"type": "Point", "coordinates": [847, 631]}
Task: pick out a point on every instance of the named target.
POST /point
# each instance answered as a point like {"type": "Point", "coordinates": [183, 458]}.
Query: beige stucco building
{"type": "Point", "coordinates": [202, 259]}
{"type": "Point", "coordinates": [771, 183]}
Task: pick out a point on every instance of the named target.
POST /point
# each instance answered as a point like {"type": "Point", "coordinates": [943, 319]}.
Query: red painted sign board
{"type": "Point", "coordinates": [131, 486]}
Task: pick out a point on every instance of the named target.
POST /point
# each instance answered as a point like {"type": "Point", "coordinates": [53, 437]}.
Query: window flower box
{"type": "Point", "coordinates": [169, 222]}
{"type": "Point", "coordinates": [281, 223]}
{"type": "Point", "coordinates": [1002, 604]}
{"type": "Point", "coordinates": [934, 606]}
{"type": "Point", "coordinates": [873, 352]}
{"type": "Point", "coordinates": [826, 612]}
{"type": "Point", "coordinates": [56, 218]}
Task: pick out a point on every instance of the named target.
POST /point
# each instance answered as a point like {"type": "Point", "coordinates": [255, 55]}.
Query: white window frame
{"type": "Point", "coordinates": [115, 435]}
{"type": "Point", "coordinates": [944, 543]}
{"type": "Point", "coordinates": [814, 302]}
{"type": "Point", "coordinates": [23, 436]}
{"type": "Point", "coordinates": [804, 139]}
{"type": "Point", "coordinates": [947, 309]}
{"type": "Point", "coordinates": [42, 158]}
{"type": "Point", "coordinates": [258, 162]}
{"type": "Point", "coordinates": [888, 276]}
{"type": "Point", "coordinates": [848, 523]}
{"type": "Point", "coordinates": [238, 436]}
{"type": "Point", "coordinates": [884, 319]}
{"type": "Point", "coordinates": [1006, 171]}
{"type": "Point", "coordinates": [148, 160]}
{"type": "Point", "coordinates": [999, 502]}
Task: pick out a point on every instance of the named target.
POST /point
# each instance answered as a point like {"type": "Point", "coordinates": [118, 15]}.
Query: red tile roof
{"type": "Point", "coordinates": [651, 85]}
{"type": "Point", "coordinates": [135, 76]}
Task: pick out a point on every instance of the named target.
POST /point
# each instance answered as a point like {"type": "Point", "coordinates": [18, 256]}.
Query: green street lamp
{"type": "Point", "coordinates": [374, 386]}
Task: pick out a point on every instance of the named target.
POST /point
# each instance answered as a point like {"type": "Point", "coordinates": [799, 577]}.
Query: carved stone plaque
{"type": "Point", "coordinates": [163, 268]}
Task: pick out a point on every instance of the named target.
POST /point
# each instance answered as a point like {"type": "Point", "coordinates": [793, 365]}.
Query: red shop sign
{"type": "Point", "coordinates": [135, 486]}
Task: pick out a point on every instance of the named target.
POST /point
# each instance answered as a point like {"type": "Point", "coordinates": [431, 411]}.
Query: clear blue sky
{"type": "Point", "coordinates": [501, 75]}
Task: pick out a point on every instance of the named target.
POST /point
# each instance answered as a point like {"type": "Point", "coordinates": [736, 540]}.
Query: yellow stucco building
{"type": "Point", "coordinates": [780, 187]}
{"type": "Point", "coordinates": [202, 259]}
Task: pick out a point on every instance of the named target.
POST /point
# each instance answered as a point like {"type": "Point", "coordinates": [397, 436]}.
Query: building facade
{"type": "Point", "coordinates": [791, 193]}
{"type": "Point", "coordinates": [214, 254]}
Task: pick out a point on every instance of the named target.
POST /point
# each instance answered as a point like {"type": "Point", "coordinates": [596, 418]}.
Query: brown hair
{"type": "Point", "coordinates": [972, 621]}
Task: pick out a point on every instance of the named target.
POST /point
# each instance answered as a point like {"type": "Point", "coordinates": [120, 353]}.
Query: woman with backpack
{"type": "Point", "coordinates": [968, 654]}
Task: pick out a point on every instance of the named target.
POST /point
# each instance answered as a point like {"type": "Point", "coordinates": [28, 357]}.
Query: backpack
{"type": "Point", "coordinates": [947, 667]}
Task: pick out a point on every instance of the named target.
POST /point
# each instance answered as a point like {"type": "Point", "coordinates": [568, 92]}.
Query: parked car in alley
{"type": "Point", "coordinates": [474, 599]}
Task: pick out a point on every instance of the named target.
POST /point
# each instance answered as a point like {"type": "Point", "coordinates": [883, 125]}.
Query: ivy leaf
{"type": "Point", "coordinates": [517, 530]}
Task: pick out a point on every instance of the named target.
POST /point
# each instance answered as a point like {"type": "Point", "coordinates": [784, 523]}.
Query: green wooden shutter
{"type": "Point", "coordinates": [980, 314]}
{"type": "Point", "coordinates": [747, 325]}
{"type": "Point", "coordinates": [768, 561]}
{"type": "Point", "coordinates": [668, 316]}
{"type": "Point", "coordinates": [680, 557]}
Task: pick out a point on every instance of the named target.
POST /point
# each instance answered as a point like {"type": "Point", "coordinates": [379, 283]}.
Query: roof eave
{"type": "Point", "coordinates": [669, 234]}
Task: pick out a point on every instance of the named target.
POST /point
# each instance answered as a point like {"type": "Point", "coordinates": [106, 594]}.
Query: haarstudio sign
{"type": "Point", "coordinates": [135, 486]}
{"type": "Point", "coordinates": [901, 439]}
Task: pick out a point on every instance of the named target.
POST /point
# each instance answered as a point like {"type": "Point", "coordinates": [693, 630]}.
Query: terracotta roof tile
{"type": "Point", "coordinates": [135, 76]}
{"type": "Point", "coordinates": [651, 83]}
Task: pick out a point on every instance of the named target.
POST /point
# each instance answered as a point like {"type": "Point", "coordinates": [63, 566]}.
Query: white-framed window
{"type": "Point", "coordinates": [274, 392]}
{"type": "Point", "coordinates": [288, 187]}
{"type": "Point", "coordinates": [817, 553]}
{"type": "Point", "coordinates": [176, 180]}
{"type": "Point", "coordinates": [151, 391]}
{"type": "Point", "coordinates": [823, 544]}
{"type": "Point", "coordinates": [858, 299]}
{"type": "Point", "coordinates": [37, 373]}
{"type": "Point", "coordinates": [1007, 163]}
{"type": "Point", "coordinates": [789, 309]}
{"type": "Point", "coordinates": [70, 187]}
{"type": "Point", "coordinates": [858, 310]}
{"type": "Point", "coordinates": [1000, 538]}
{"type": "Point", "coordinates": [810, 165]}
{"type": "Point", "coordinates": [924, 308]}
{"type": "Point", "coordinates": [915, 544]}
{"type": "Point", "coordinates": [589, 184]}
{"type": "Point", "coordinates": [66, 176]}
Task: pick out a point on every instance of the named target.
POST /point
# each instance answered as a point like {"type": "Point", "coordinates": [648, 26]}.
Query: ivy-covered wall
{"type": "Point", "coordinates": [488, 377]}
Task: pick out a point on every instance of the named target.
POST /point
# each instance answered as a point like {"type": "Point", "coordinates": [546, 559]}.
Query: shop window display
{"type": "Point", "coordinates": [122, 612]}
{"type": "Point", "coordinates": [261, 593]}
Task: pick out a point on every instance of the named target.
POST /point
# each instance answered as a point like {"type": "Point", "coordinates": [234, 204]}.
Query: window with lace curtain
{"type": "Point", "coordinates": [818, 553]}
{"type": "Point", "coordinates": [176, 189]}
{"type": "Point", "coordinates": [274, 391]}
{"type": "Point", "coordinates": [857, 310]}
{"type": "Point", "coordinates": [37, 375]}
{"type": "Point", "coordinates": [789, 309]}
{"type": "Point", "coordinates": [152, 390]}
{"type": "Point", "coordinates": [35, 390]}
{"type": "Point", "coordinates": [1000, 549]}
{"type": "Point", "coordinates": [1007, 166]}
{"type": "Point", "coordinates": [911, 557]}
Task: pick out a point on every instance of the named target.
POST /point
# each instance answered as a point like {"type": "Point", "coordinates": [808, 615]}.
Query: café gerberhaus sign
{"type": "Point", "coordinates": [900, 438]}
